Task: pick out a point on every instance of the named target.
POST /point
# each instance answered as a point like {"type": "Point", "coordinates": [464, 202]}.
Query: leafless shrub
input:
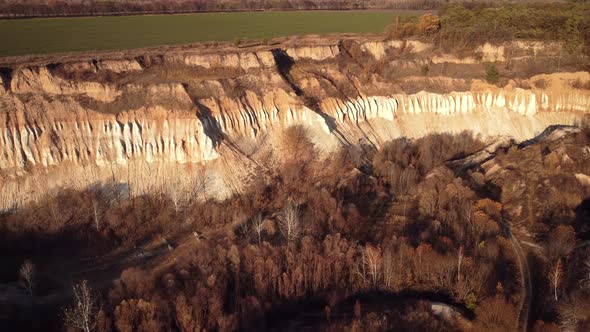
{"type": "Point", "coordinates": [585, 279]}
{"type": "Point", "coordinates": [577, 84]}
{"type": "Point", "coordinates": [555, 276]}
{"type": "Point", "coordinates": [258, 227]}
{"type": "Point", "coordinates": [496, 314]}
{"type": "Point", "coordinates": [368, 267]}
{"type": "Point", "coordinates": [541, 84]}
{"type": "Point", "coordinates": [290, 222]}
{"type": "Point", "coordinates": [82, 314]}
{"type": "Point", "coordinates": [27, 275]}
{"type": "Point", "coordinates": [573, 313]}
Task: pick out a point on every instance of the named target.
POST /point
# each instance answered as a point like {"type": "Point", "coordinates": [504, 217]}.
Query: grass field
{"type": "Point", "coordinates": [51, 35]}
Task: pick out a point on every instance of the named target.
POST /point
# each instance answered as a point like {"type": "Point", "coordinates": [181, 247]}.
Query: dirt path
{"type": "Point", "coordinates": [522, 317]}
{"type": "Point", "coordinates": [527, 285]}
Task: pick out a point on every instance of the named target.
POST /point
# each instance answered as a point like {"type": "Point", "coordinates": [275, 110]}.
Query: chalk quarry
{"type": "Point", "coordinates": [177, 119]}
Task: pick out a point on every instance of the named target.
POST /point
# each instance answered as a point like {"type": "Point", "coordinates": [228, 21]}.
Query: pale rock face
{"type": "Point", "coordinates": [48, 135]}
{"type": "Point", "coordinates": [491, 53]}
{"type": "Point", "coordinates": [487, 53]}
{"type": "Point", "coordinates": [156, 134]}
{"type": "Point", "coordinates": [236, 60]}
{"type": "Point", "coordinates": [316, 53]}
{"type": "Point", "coordinates": [36, 80]}
{"type": "Point", "coordinates": [163, 138]}
{"type": "Point", "coordinates": [117, 66]}
{"type": "Point", "coordinates": [584, 179]}
{"type": "Point", "coordinates": [519, 50]}
{"type": "Point", "coordinates": [417, 46]}
{"type": "Point", "coordinates": [453, 59]}
{"type": "Point", "coordinates": [248, 60]}
{"type": "Point", "coordinates": [102, 141]}
{"type": "Point", "coordinates": [536, 47]}
{"type": "Point", "coordinates": [379, 48]}
{"type": "Point", "coordinates": [266, 58]}
{"type": "Point", "coordinates": [196, 60]}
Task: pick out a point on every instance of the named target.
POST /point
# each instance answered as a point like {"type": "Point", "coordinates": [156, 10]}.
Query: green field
{"type": "Point", "coordinates": [51, 35]}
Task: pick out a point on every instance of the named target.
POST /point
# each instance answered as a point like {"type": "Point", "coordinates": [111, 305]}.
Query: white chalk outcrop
{"type": "Point", "coordinates": [159, 134]}
{"type": "Point", "coordinates": [47, 126]}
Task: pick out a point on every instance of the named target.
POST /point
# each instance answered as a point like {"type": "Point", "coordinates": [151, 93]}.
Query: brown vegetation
{"type": "Point", "coordinates": [395, 220]}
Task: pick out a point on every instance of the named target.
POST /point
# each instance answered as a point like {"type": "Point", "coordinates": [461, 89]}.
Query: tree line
{"type": "Point", "coordinates": [39, 8]}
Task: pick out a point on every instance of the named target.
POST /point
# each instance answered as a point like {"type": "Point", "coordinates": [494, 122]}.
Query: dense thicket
{"type": "Point", "coordinates": [395, 220]}
{"type": "Point", "coordinates": [569, 23]}
{"type": "Point", "coordinates": [464, 25]}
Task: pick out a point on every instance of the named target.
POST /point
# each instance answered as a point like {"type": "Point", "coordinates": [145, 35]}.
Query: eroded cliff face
{"type": "Point", "coordinates": [88, 121]}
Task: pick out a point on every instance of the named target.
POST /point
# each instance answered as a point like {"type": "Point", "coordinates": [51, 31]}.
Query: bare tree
{"type": "Point", "coordinates": [401, 179]}
{"type": "Point", "coordinates": [258, 227]}
{"type": "Point", "coordinates": [174, 195]}
{"type": "Point", "coordinates": [585, 280]}
{"type": "Point", "coordinates": [472, 227]}
{"type": "Point", "coordinates": [568, 323]}
{"type": "Point", "coordinates": [27, 275]}
{"type": "Point", "coordinates": [198, 187]}
{"type": "Point", "coordinates": [82, 314]}
{"type": "Point", "coordinates": [244, 229]}
{"type": "Point", "coordinates": [96, 213]}
{"type": "Point", "coordinates": [460, 256]}
{"type": "Point", "coordinates": [370, 264]}
{"type": "Point", "coordinates": [373, 259]}
{"type": "Point", "coordinates": [561, 242]}
{"type": "Point", "coordinates": [571, 313]}
{"type": "Point", "coordinates": [173, 188]}
{"type": "Point", "coordinates": [290, 222]}
{"type": "Point", "coordinates": [555, 276]}
{"type": "Point", "coordinates": [388, 269]}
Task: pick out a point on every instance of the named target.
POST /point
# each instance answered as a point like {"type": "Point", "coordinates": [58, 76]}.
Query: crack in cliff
{"type": "Point", "coordinates": [342, 49]}
{"type": "Point", "coordinates": [345, 96]}
{"type": "Point", "coordinates": [211, 126]}
{"type": "Point", "coordinates": [6, 77]}
{"type": "Point", "coordinates": [284, 63]}
{"type": "Point", "coordinates": [330, 81]}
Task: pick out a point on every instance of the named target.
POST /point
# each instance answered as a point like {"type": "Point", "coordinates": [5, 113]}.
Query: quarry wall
{"type": "Point", "coordinates": [65, 121]}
